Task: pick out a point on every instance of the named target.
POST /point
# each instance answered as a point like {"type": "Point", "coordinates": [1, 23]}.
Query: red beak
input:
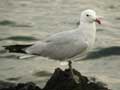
{"type": "Point", "coordinates": [98, 21]}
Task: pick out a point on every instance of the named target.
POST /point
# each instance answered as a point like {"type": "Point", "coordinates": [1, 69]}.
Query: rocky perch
{"type": "Point", "coordinates": [60, 80]}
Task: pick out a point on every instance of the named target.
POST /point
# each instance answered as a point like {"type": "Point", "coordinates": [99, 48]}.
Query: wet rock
{"type": "Point", "coordinates": [27, 86]}
{"type": "Point", "coordinates": [6, 85]}
{"type": "Point", "coordinates": [60, 80]}
{"type": "Point", "coordinates": [20, 86]}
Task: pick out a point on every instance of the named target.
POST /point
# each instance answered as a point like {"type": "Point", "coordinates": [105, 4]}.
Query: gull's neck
{"type": "Point", "coordinates": [89, 31]}
{"type": "Point", "coordinates": [87, 26]}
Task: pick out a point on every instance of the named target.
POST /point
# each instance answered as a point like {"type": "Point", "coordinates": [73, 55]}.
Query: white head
{"type": "Point", "coordinates": [89, 16]}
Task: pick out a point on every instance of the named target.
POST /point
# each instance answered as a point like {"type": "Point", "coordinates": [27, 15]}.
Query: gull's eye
{"type": "Point", "coordinates": [87, 15]}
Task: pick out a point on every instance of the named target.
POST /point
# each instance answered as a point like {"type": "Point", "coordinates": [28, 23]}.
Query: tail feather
{"type": "Point", "coordinates": [17, 48]}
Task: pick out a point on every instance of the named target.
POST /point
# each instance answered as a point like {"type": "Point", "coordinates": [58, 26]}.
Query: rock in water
{"type": "Point", "coordinates": [6, 85]}
{"type": "Point", "coordinates": [19, 86]}
{"type": "Point", "coordinates": [62, 80]}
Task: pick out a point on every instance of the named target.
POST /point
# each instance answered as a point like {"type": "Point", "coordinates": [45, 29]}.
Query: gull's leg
{"type": "Point", "coordinates": [72, 73]}
{"type": "Point", "coordinates": [70, 67]}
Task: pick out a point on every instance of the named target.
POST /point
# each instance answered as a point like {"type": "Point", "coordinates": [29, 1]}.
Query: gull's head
{"type": "Point", "coordinates": [89, 16]}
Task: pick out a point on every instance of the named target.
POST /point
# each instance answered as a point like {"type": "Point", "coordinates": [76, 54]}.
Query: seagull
{"type": "Point", "coordinates": [67, 44]}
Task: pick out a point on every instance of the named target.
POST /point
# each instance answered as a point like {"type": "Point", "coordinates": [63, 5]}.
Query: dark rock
{"type": "Point", "coordinates": [6, 85]}
{"type": "Point", "coordinates": [60, 80]}
{"type": "Point", "coordinates": [27, 86]}
{"type": "Point", "coordinates": [20, 86]}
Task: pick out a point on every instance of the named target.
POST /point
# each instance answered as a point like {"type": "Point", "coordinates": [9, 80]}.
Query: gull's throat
{"type": "Point", "coordinates": [89, 32]}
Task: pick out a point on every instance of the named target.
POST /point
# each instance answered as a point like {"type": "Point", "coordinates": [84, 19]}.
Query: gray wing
{"type": "Point", "coordinates": [59, 46]}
